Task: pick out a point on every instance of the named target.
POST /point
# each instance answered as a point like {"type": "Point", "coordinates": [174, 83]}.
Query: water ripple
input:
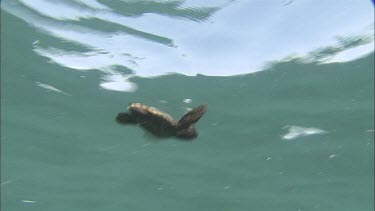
{"type": "Point", "coordinates": [215, 38]}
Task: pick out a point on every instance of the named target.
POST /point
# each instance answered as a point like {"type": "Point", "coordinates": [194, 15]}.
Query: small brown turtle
{"type": "Point", "coordinates": [161, 124]}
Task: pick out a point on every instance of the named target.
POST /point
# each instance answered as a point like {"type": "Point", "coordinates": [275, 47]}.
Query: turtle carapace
{"type": "Point", "coordinates": [161, 124]}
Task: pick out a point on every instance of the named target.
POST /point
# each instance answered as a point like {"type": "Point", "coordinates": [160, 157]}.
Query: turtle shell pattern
{"type": "Point", "coordinates": [158, 123]}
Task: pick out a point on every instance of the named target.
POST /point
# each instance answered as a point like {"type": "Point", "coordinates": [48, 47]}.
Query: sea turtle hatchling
{"type": "Point", "coordinates": [161, 124]}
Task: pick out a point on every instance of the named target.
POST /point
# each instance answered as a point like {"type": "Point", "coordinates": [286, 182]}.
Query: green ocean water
{"type": "Point", "coordinates": [64, 151]}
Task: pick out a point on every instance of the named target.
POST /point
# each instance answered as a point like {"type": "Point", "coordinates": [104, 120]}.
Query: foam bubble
{"type": "Point", "coordinates": [295, 132]}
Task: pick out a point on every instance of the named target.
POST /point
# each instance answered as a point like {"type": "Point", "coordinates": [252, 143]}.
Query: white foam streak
{"type": "Point", "coordinates": [28, 201]}
{"type": "Point", "coordinates": [295, 132]}
{"type": "Point", "coordinates": [50, 88]}
{"type": "Point", "coordinates": [6, 182]}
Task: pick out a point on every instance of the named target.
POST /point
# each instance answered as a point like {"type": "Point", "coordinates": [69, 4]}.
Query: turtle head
{"type": "Point", "coordinates": [125, 118]}
{"type": "Point", "coordinates": [187, 133]}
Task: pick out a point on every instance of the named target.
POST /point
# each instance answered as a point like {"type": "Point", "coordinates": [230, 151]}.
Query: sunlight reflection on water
{"type": "Point", "coordinates": [215, 38]}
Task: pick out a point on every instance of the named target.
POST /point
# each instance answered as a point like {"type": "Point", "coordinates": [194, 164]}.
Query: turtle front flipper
{"type": "Point", "coordinates": [125, 118]}
{"type": "Point", "coordinates": [191, 117]}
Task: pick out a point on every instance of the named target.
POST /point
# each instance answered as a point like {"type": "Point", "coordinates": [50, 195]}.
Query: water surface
{"type": "Point", "coordinates": [290, 94]}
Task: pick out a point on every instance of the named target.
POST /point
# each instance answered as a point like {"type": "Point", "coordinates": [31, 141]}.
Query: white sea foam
{"type": "Point", "coordinates": [118, 82]}
{"type": "Point", "coordinates": [295, 132]}
{"type": "Point", "coordinates": [187, 100]}
{"type": "Point", "coordinates": [28, 201]}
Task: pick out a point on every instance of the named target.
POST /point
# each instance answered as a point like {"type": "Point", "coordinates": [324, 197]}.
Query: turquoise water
{"type": "Point", "coordinates": [297, 135]}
